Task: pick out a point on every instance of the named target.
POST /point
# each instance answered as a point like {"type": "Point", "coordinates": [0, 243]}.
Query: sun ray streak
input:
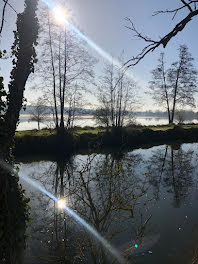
{"type": "Point", "coordinates": [70, 212]}
{"type": "Point", "coordinates": [52, 5]}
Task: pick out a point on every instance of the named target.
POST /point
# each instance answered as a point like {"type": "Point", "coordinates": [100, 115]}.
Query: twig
{"type": "Point", "coordinates": [3, 15]}
{"type": "Point", "coordinates": [11, 6]}
{"type": "Point", "coordinates": [153, 44]}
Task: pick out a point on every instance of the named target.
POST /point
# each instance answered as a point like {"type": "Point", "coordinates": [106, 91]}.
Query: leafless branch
{"type": "Point", "coordinates": [6, 3]}
{"type": "Point", "coordinates": [10, 6]}
{"type": "Point", "coordinates": [3, 15]}
{"type": "Point", "coordinates": [174, 11]}
{"type": "Point", "coordinates": [153, 44]}
{"type": "Point", "coordinates": [187, 5]}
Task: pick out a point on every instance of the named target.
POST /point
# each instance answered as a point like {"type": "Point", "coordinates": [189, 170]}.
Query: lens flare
{"type": "Point", "coordinates": [78, 219]}
{"type": "Point", "coordinates": [70, 212]}
{"type": "Point", "coordinates": [60, 14]}
{"type": "Point", "coordinates": [61, 203]}
{"type": "Point", "coordinates": [52, 5]}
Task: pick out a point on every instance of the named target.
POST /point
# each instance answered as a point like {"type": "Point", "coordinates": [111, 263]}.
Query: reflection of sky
{"type": "Point", "coordinates": [176, 226]}
{"type": "Point", "coordinates": [110, 33]}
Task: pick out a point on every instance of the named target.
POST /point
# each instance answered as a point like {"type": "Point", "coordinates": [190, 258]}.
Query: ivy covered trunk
{"type": "Point", "coordinates": [24, 54]}
{"type": "Point", "coordinates": [13, 204]}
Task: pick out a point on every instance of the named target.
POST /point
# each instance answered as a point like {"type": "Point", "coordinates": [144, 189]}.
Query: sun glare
{"type": "Point", "coordinates": [60, 14]}
{"type": "Point", "coordinates": [61, 203]}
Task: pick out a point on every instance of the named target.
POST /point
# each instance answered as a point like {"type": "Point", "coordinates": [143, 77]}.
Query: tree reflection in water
{"type": "Point", "coordinates": [103, 189]}
{"type": "Point", "coordinates": [127, 197]}
{"type": "Point", "coordinates": [171, 168]}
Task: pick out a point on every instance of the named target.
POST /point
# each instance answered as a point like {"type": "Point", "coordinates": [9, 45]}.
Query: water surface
{"type": "Point", "coordinates": [83, 121]}
{"type": "Point", "coordinates": [146, 197]}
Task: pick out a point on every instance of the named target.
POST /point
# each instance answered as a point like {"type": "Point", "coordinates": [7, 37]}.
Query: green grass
{"type": "Point", "coordinates": [47, 132]}
{"type": "Point", "coordinates": [35, 133]}
{"type": "Point", "coordinates": [189, 126]}
{"type": "Point", "coordinates": [96, 130]}
{"type": "Point", "coordinates": [154, 128]}
{"type": "Point", "coordinates": [161, 128]}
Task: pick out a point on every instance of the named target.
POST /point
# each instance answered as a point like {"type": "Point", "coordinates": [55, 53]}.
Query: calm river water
{"type": "Point", "coordinates": [144, 202]}
{"type": "Point", "coordinates": [83, 121]}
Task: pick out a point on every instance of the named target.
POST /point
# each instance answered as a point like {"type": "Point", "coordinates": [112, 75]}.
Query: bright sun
{"type": "Point", "coordinates": [60, 14]}
{"type": "Point", "coordinates": [61, 203]}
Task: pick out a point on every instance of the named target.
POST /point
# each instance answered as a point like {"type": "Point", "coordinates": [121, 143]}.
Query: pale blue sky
{"type": "Point", "coordinates": [103, 21]}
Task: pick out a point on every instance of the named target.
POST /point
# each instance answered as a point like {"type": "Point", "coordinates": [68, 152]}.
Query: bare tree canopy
{"type": "Point", "coordinates": [152, 44]}
{"type": "Point", "coordinates": [116, 96]}
{"type": "Point", "coordinates": [38, 112]}
{"type": "Point", "coordinates": [66, 67]}
{"type": "Point", "coordinates": [175, 86]}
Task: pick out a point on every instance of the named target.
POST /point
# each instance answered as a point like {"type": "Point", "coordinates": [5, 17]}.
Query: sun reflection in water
{"type": "Point", "coordinates": [61, 203]}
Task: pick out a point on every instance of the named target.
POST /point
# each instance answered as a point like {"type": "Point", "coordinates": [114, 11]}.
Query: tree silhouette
{"type": "Point", "coordinates": [189, 5]}
{"type": "Point", "coordinates": [175, 86]}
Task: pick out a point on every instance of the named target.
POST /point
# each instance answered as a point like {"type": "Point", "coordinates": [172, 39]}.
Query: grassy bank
{"type": "Point", "coordinates": [97, 130]}
{"type": "Point", "coordinates": [45, 141]}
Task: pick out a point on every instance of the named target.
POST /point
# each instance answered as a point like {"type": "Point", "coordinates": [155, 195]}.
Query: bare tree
{"type": "Point", "coordinates": [183, 80]}
{"type": "Point", "coordinates": [65, 66]}
{"type": "Point", "coordinates": [101, 116]}
{"type": "Point", "coordinates": [180, 116]}
{"type": "Point", "coordinates": [106, 191]}
{"type": "Point", "coordinates": [177, 85]}
{"type": "Point", "coordinates": [159, 88]}
{"type": "Point", "coordinates": [190, 6]}
{"type": "Point", "coordinates": [116, 97]}
{"type": "Point", "coordinates": [38, 113]}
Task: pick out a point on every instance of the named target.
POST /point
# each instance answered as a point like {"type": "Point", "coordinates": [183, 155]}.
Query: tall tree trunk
{"type": "Point", "coordinates": [176, 85]}
{"type": "Point", "coordinates": [120, 104]}
{"type": "Point", "coordinates": [53, 73]}
{"type": "Point", "coordinates": [175, 95]}
{"type": "Point", "coordinates": [26, 36]}
{"type": "Point", "coordinates": [64, 77]}
{"type": "Point", "coordinates": [166, 91]}
{"type": "Point", "coordinates": [112, 99]}
{"type": "Point", "coordinates": [60, 89]}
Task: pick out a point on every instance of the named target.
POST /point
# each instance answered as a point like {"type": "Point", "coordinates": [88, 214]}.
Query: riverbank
{"type": "Point", "coordinates": [88, 139]}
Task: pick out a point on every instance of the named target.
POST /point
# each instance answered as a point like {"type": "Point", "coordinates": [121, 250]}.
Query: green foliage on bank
{"type": "Point", "coordinates": [97, 130]}
{"type": "Point", "coordinates": [36, 133]}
